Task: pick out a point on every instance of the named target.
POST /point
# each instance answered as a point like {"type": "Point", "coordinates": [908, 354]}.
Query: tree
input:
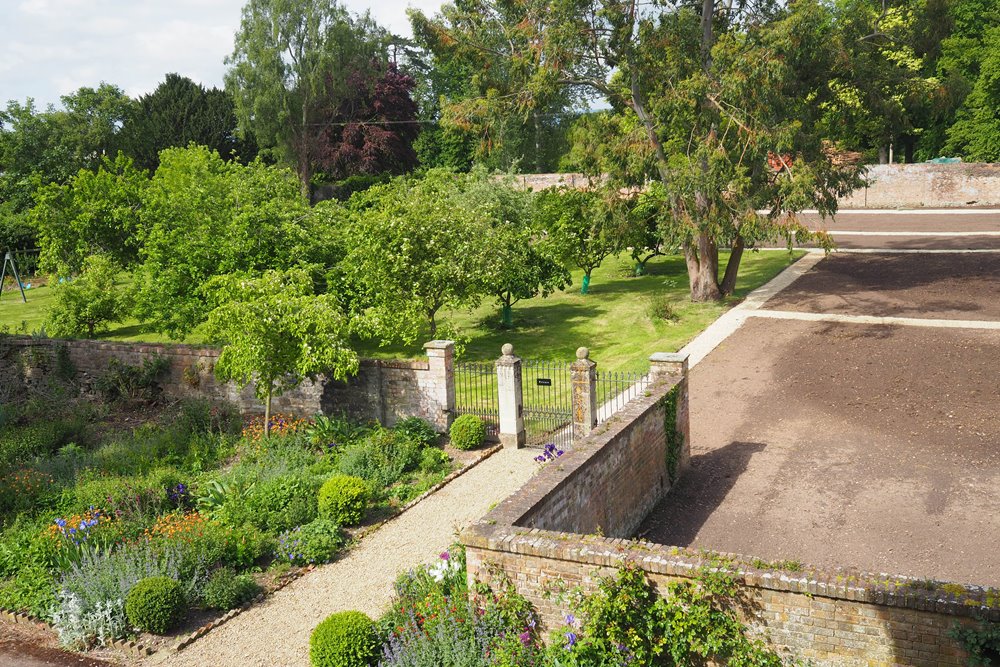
{"type": "Point", "coordinates": [38, 146]}
{"type": "Point", "coordinates": [91, 121]}
{"type": "Point", "coordinates": [976, 131]}
{"type": "Point", "coordinates": [179, 112]}
{"type": "Point", "coordinates": [476, 87]}
{"type": "Point", "coordinates": [31, 153]}
{"type": "Point", "coordinates": [970, 58]}
{"type": "Point", "coordinates": [520, 261]}
{"type": "Point", "coordinates": [89, 302]}
{"type": "Point", "coordinates": [583, 226]}
{"type": "Point", "coordinates": [295, 60]}
{"type": "Point", "coordinates": [202, 217]}
{"type": "Point", "coordinates": [415, 247]}
{"type": "Point", "coordinates": [373, 131]}
{"type": "Point", "coordinates": [714, 92]}
{"type": "Point", "coordinates": [92, 213]}
{"type": "Point", "coordinates": [277, 332]}
{"type": "Point", "coordinates": [883, 84]}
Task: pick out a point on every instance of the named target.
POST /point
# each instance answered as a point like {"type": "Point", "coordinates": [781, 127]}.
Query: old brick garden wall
{"type": "Point", "coordinates": [572, 522]}
{"type": "Point", "coordinates": [382, 390]}
{"type": "Point", "coordinates": [889, 185]}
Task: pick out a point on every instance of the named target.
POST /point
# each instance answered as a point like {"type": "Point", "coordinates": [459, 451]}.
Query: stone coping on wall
{"type": "Point", "coordinates": [837, 583]}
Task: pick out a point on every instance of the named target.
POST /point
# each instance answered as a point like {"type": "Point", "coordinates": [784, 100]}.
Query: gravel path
{"type": "Point", "coordinates": [276, 632]}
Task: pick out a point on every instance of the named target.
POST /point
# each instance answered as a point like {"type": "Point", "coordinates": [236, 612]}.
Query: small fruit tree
{"type": "Point", "coordinates": [276, 331]}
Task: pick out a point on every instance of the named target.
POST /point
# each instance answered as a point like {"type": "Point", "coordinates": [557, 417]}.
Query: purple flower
{"type": "Point", "coordinates": [570, 620]}
{"type": "Point", "coordinates": [445, 555]}
{"type": "Point", "coordinates": [525, 638]}
{"type": "Point", "coordinates": [570, 639]}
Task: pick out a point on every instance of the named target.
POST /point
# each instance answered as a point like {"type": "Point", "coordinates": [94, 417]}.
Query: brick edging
{"type": "Point", "coordinates": [136, 648]}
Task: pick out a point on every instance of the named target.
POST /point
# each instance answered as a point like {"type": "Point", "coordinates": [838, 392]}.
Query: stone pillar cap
{"type": "Point", "coordinates": [582, 353]}
{"type": "Point", "coordinates": [673, 357]}
{"type": "Point", "coordinates": [439, 344]}
{"type": "Point", "coordinates": [507, 350]}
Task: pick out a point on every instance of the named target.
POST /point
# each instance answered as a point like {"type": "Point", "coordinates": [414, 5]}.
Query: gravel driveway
{"type": "Point", "coordinates": [276, 631]}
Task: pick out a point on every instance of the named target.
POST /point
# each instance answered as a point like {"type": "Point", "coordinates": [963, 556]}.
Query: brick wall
{"type": "Point", "coordinates": [383, 390]}
{"type": "Point", "coordinates": [890, 185]}
{"type": "Point", "coordinates": [928, 186]}
{"type": "Point", "coordinates": [611, 480]}
{"type": "Point", "coordinates": [824, 618]}
{"type": "Point", "coordinates": [571, 523]}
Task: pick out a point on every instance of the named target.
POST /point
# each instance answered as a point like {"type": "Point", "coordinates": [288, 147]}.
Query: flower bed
{"type": "Point", "coordinates": [187, 497]}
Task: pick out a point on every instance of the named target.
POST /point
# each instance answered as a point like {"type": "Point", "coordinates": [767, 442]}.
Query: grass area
{"type": "Point", "coordinates": [614, 320]}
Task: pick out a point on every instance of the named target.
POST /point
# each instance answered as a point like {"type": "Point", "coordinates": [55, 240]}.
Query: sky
{"type": "Point", "coordinates": [52, 47]}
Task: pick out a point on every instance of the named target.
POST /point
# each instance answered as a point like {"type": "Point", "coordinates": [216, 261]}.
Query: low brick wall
{"type": "Point", "coordinates": [570, 525]}
{"type": "Point", "coordinates": [608, 483]}
{"type": "Point", "coordinates": [382, 390]}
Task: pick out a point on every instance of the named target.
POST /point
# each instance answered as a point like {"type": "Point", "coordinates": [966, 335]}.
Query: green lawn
{"type": "Point", "coordinates": [613, 320]}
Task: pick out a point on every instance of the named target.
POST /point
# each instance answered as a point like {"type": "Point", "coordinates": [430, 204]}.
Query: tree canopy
{"type": "Point", "coordinates": [180, 112]}
{"type": "Point", "coordinates": [276, 332]}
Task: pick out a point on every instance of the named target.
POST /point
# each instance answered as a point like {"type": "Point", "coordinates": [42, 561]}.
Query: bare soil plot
{"type": "Point", "coordinates": [878, 242]}
{"type": "Point", "coordinates": [963, 286]}
{"type": "Point", "coordinates": [870, 447]}
{"type": "Point", "coordinates": [904, 222]}
{"type": "Point", "coordinates": [24, 645]}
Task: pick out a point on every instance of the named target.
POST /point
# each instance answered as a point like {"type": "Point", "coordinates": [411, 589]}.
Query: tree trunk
{"type": "Point", "coordinates": [883, 155]}
{"type": "Point", "coordinates": [432, 321]}
{"type": "Point", "coordinates": [702, 258]}
{"type": "Point", "coordinates": [267, 412]}
{"type": "Point", "coordinates": [305, 175]}
{"type": "Point", "coordinates": [585, 285]}
{"type": "Point", "coordinates": [732, 267]}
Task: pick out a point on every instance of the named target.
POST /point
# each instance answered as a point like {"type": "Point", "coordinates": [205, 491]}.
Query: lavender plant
{"type": "Point", "coordinates": [90, 604]}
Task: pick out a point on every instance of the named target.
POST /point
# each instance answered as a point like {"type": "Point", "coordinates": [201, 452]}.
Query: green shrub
{"type": "Point", "coordinates": [81, 307]}
{"type": "Point", "coordinates": [417, 429]}
{"type": "Point", "coordinates": [344, 639]}
{"type": "Point", "coordinates": [343, 499]}
{"type": "Point", "coordinates": [137, 384]}
{"type": "Point", "coordinates": [662, 307]}
{"type": "Point", "coordinates": [275, 504]}
{"type": "Point", "coordinates": [200, 415]}
{"type": "Point", "coordinates": [329, 433]}
{"type": "Point", "coordinates": [23, 443]}
{"type": "Point", "coordinates": [381, 458]}
{"type": "Point", "coordinates": [312, 544]}
{"type": "Point", "coordinates": [467, 432]}
{"type": "Point", "coordinates": [227, 590]}
{"type": "Point", "coordinates": [434, 460]}
{"type": "Point", "coordinates": [155, 604]}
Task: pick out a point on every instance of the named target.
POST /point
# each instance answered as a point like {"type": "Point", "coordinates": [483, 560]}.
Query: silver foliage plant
{"type": "Point", "coordinates": [91, 600]}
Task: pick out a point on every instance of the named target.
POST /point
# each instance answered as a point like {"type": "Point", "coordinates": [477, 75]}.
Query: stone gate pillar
{"type": "Point", "coordinates": [584, 378]}
{"type": "Point", "coordinates": [441, 388]}
{"type": "Point", "coordinates": [509, 396]}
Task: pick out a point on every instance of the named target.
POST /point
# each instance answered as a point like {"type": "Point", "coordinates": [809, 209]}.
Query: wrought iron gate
{"type": "Point", "coordinates": [547, 395]}
{"type": "Point", "coordinates": [476, 393]}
